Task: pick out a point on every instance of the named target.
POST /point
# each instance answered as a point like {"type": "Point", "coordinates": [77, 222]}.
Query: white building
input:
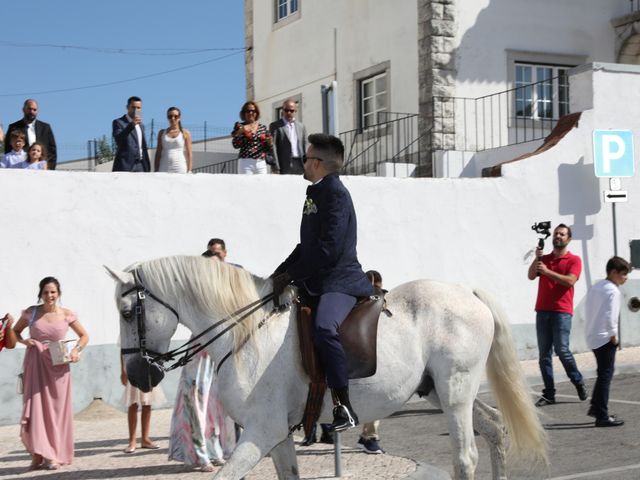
{"type": "Point", "coordinates": [446, 60]}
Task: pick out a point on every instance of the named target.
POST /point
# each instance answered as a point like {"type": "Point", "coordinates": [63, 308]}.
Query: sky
{"type": "Point", "coordinates": [60, 51]}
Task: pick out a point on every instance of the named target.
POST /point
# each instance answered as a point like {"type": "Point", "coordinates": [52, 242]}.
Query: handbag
{"type": "Point", "coordinates": [60, 354]}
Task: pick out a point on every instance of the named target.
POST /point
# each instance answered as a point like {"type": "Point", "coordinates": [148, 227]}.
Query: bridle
{"type": "Point", "coordinates": [189, 349]}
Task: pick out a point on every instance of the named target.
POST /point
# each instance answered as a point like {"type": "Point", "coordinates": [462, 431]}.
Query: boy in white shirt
{"type": "Point", "coordinates": [17, 140]}
{"type": "Point", "coordinates": [602, 308]}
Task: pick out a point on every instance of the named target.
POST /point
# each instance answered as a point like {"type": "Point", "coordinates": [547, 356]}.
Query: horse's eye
{"type": "Point", "coordinates": [126, 314]}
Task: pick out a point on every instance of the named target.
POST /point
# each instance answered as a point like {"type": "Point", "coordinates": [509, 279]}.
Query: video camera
{"type": "Point", "coordinates": [542, 228]}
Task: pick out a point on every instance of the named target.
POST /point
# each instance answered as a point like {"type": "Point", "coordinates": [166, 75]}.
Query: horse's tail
{"type": "Point", "coordinates": [528, 440]}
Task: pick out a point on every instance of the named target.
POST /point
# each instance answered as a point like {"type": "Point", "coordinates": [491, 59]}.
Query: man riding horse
{"type": "Point", "coordinates": [324, 265]}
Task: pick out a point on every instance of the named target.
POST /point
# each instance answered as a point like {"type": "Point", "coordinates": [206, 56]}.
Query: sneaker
{"type": "Point", "coordinates": [544, 401]}
{"type": "Point", "coordinates": [582, 391]}
{"type": "Point", "coordinates": [370, 445]}
{"type": "Point", "coordinates": [610, 421]}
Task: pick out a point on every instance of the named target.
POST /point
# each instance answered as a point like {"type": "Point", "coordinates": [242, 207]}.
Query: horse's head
{"type": "Point", "coordinates": [146, 328]}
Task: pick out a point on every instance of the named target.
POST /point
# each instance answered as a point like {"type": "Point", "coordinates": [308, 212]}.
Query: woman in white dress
{"type": "Point", "coordinates": [173, 153]}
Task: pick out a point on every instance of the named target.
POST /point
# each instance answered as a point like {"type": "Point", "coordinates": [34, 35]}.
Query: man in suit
{"type": "Point", "coordinates": [289, 141]}
{"type": "Point", "coordinates": [35, 131]}
{"type": "Point", "coordinates": [131, 146]}
{"type": "Point", "coordinates": [325, 267]}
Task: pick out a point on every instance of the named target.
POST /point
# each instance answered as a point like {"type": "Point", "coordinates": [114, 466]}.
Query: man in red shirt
{"type": "Point", "coordinates": [558, 272]}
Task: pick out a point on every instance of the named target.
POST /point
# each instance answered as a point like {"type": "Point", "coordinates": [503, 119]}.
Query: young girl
{"type": "Point", "coordinates": [36, 159]}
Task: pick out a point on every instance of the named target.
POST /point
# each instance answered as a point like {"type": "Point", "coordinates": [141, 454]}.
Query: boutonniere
{"type": "Point", "coordinates": [309, 206]}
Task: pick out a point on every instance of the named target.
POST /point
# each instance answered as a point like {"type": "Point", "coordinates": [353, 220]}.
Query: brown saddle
{"type": "Point", "coordinates": [358, 335]}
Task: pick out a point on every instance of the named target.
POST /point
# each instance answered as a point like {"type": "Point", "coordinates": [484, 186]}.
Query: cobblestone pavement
{"type": "Point", "coordinates": [101, 436]}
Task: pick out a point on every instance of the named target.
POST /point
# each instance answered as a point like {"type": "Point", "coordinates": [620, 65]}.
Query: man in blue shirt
{"type": "Point", "coordinates": [325, 267]}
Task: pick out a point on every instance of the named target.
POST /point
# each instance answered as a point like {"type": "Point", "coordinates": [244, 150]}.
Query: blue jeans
{"type": "Point", "coordinates": [606, 358]}
{"type": "Point", "coordinates": [553, 330]}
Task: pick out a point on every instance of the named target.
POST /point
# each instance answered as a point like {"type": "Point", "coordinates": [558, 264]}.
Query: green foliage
{"type": "Point", "coordinates": [104, 151]}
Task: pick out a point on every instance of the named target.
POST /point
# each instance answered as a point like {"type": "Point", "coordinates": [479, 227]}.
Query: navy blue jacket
{"type": "Point", "coordinates": [127, 149]}
{"type": "Point", "coordinates": [325, 260]}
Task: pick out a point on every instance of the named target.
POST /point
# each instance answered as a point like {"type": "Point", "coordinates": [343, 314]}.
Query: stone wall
{"type": "Point", "coordinates": [437, 73]}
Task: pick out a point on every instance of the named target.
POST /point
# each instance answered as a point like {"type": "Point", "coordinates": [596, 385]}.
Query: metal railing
{"type": "Point", "coordinates": [230, 166]}
{"type": "Point", "coordinates": [394, 139]}
{"type": "Point", "coordinates": [522, 114]}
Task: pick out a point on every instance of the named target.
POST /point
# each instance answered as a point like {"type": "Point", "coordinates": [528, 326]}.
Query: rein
{"type": "Point", "coordinates": [189, 349]}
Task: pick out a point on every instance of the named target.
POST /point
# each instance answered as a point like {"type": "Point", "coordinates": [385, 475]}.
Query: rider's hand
{"type": "Point", "coordinates": [280, 282]}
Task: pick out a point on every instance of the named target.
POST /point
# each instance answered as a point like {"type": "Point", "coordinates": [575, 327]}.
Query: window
{"type": "Point", "coordinates": [373, 99]}
{"type": "Point", "coordinates": [285, 8]}
{"type": "Point", "coordinates": [541, 91]}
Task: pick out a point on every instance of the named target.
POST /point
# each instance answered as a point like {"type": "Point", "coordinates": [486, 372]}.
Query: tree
{"type": "Point", "coordinates": [104, 152]}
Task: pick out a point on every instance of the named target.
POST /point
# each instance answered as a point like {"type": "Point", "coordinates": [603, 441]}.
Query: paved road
{"type": "Point", "coordinates": [417, 433]}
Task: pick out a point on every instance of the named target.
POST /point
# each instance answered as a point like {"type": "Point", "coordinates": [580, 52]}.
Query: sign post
{"type": "Point", "coordinates": [613, 157]}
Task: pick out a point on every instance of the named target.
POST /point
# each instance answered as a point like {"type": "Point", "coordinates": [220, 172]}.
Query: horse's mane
{"type": "Point", "coordinates": [206, 286]}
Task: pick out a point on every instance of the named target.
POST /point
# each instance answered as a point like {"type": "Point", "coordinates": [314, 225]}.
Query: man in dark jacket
{"type": "Point", "coordinates": [324, 265]}
{"type": "Point", "coordinates": [35, 131]}
{"type": "Point", "coordinates": [131, 146]}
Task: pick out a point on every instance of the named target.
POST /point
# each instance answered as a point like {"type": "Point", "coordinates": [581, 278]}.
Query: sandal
{"type": "Point", "coordinates": [151, 446]}
{"type": "Point", "coordinates": [207, 468]}
{"type": "Point", "coordinates": [50, 466]}
{"type": "Point", "coordinates": [34, 466]}
{"type": "Point", "coordinates": [129, 450]}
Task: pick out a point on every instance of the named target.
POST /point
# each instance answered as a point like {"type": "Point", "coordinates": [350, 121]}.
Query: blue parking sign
{"type": "Point", "coordinates": [613, 153]}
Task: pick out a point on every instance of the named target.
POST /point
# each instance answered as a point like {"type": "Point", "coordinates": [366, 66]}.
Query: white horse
{"type": "Point", "coordinates": [440, 335]}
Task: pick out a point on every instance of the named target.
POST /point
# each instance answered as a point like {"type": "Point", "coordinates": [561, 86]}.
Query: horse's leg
{"type": "Point", "coordinates": [488, 422]}
{"type": "Point", "coordinates": [284, 459]}
{"type": "Point", "coordinates": [456, 398]}
{"type": "Point", "coordinates": [254, 443]}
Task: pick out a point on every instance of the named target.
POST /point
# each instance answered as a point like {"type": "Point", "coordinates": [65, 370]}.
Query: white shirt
{"type": "Point", "coordinates": [31, 132]}
{"type": "Point", "coordinates": [138, 134]}
{"type": "Point", "coordinates": [601, 311]}
{"type": "Point", "coordinates": [9, 160]}
{"type": "Point", "coordinates": [293, 138]}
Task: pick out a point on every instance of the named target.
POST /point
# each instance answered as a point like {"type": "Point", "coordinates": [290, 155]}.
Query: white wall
{"type": "Point", "coordinates": [475, 231]}
{"type": "Point", "coordinates": [300, 56]}
{"type": "Point", "coordinates": [488, 28]}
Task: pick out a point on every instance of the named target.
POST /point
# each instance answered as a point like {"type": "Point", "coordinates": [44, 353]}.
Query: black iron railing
{"type": "Point", "coordinates": [522, 114]}
{"type": "Point", "coordinates": [230, 166]}
{"type": "Point", "coordinates": [393, 140]}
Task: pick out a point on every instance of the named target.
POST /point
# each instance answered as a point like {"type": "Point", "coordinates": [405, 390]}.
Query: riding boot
{"type": "Point", "coordinates": [344, 416]}
{"type": "Point", "coordinates": [310, 438]}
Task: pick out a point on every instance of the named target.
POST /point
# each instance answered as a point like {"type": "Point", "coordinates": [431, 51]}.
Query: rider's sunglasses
{"type": "Point", "coordinates": [305, 158]}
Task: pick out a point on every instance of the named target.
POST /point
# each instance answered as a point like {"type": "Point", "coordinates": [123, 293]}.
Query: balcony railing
{"type": "Point", "coordinates": [518, 115]}
{"type": "Point", "coordinates": [230, 166]}
{"type": "Point", "coordinates": [392, 143]}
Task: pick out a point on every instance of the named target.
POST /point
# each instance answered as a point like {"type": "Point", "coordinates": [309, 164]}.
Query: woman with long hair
{"type": "Point", "coordinates": [46, 425]}
{"type": "Point", "coordinates": [174, 151]}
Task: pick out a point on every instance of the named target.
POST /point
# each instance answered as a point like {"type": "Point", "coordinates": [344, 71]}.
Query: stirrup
{"type": "Point", "coordinates": [342, 419]}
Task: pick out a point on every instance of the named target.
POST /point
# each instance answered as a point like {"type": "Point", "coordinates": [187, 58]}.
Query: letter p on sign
{"type": "Point", "coordinates": [613, 153]}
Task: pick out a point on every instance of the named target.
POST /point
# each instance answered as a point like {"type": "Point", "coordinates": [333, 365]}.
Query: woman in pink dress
{"type": "Point", "coordinates": [47, 413]}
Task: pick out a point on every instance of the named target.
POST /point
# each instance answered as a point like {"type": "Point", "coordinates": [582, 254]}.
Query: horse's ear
{"type": "Point", "coordinates": [122, 277]}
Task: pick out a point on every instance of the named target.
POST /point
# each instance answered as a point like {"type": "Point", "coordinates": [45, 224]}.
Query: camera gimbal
{"type": "Point", "coordinates": [542, 228]}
